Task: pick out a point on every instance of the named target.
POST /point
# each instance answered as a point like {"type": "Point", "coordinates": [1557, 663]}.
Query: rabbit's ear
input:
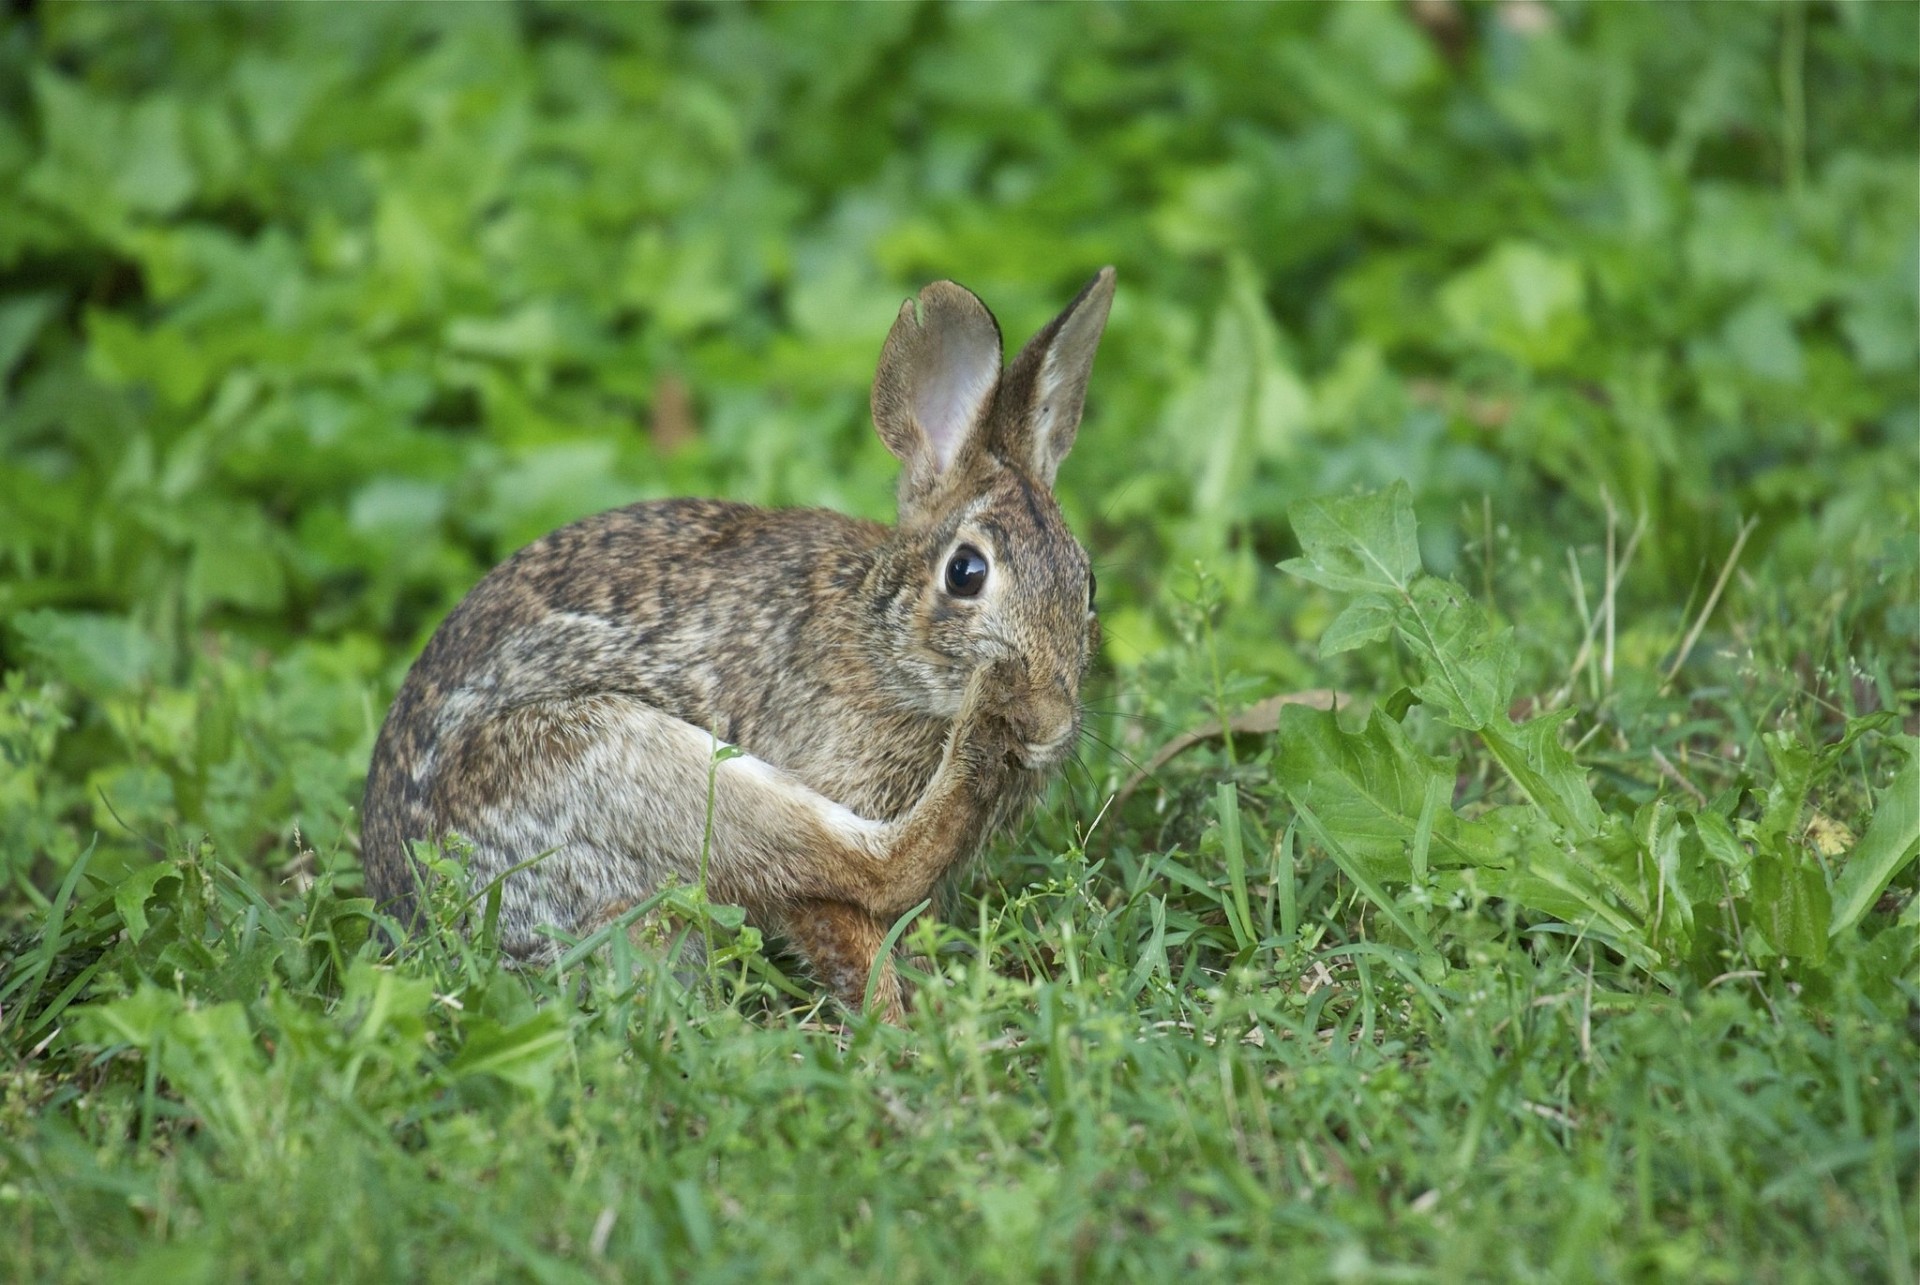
{"type": "Point", "coordinates": [1047, 384]}
{"type": "Point", "coordinates": [937, 377]}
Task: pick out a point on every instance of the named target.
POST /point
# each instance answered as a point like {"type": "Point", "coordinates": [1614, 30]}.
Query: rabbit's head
{"type": "Point", "coordinates": [983, 571]}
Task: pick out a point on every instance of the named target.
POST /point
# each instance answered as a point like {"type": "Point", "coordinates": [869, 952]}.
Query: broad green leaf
{"type": "Point", "coordinates": [1355, 869]}
{"type": "Point", "coordinates": [1716, 837]}
{"type": "Point", "coordinates": [1369, 788]}
{"type": "Point", "coordinates": [1357, 543]}
{"type": "Point", "coordinates": [523, 1054]}
{"type": "Point", "coordinates": [105, 156]}
{"type": "Point", "coordinates": [1548, 881]}
{"type": "Point", "coordinates": [237, 566]}
{"type": "Point", "coordinates": [378, 1004]}
{"type": "Point", "coordinates": [1761, 338]}
{"type": "Point", "coordinates": [99, 654]}
{"type": "Point", "coordinates": [139, 1019]}
{"type": "Point", "coordinates": [1790, 903]}
{"type": "Point", "coordinates": [1891, 841]}
{"type": "Point", "coordinates": [1249, 397]}
{"type": "Point", "coordinates": [1520, 300]}
{"type": "Point", "coordinates": [1367, 619]}
{"type": "Point", "coordinates": [207, 1054]}
{"type": "Point", "coordinates": [1469, 662]}
{"type": "Point", "coordinates": [1533, 756]}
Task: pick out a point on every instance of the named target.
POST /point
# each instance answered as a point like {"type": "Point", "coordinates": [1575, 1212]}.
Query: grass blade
{"type": "Point", "coordinates": [1892, 839]}
{"type": "Point", "coordinates": [1351, 868]}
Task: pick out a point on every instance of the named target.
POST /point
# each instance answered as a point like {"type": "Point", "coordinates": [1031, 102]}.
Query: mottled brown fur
{"type": "Point", "coordinates": [569, 706]}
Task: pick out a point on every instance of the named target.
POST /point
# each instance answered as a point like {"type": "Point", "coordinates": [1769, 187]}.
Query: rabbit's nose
{"type": "Point", "coordinates": [1047, 726]}
{"type": "Point", "coordinates": [1054, 746]}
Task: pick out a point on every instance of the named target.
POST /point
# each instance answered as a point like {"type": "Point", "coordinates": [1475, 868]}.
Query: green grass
{"type": "Point", "coordinates": [1564, 355]}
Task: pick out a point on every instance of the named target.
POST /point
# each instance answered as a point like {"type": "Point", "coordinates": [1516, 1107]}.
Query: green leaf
{"type": "Point", "coordinates": [1356, 871]}
{"type": "Point", "coordinates": [885, 953]}
{"type": "Point", "coordinates": [1248, 393]}
{"type": "Point", "coordinates": [378, 1004]}
{"type": "Point", "coordinates": [1791, 904]}
{"type": "Point", "coordinates": [1658, 831]}
{"type": "Point", "coordinates": [139, 1019]}
{"type": "Point", "coordinates": [1760, 336]}
{"type": "Point", "coordinates": [104, 157]}
{"type": "Point", "coordinates": [1369, 790]}
{"type": "Point", "coordinates": [21, 317]}
{"type": "Point", "coordinates": [1533, 756]}
{"type": "Point", "coordinates": [1357, 543]}
{"type": "Point", "coordinates": [1520, 300]}
{"type": "Point", "coordinates": [1367, 619]}
{"type": "Point", "coordinates": [1792, 777]}
{"type": "Point", "coordinates": [1891, 841]}
{"type": "Point", "coordinates": [130, 895]}
{"type": "Point", "coordinates": [1716, 838]}
{"type": "Point", "coordinates": [208, 1055]}
{"type": "Point", "coordinates": [1470, 663]}
{"type": "Point", "coordinates": [1227, 805]}
{"type": "Point", "coordinates": [523, 1054]}
{"type": "Point", "coordinates": [99, 654]}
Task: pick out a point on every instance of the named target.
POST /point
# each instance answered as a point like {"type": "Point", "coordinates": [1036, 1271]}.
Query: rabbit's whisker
{"type": "Point", "coordinates": [1131, 760]}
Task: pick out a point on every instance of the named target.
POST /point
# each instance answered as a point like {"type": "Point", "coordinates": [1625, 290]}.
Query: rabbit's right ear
{"type": "Point", "coordinates": [938, 374]}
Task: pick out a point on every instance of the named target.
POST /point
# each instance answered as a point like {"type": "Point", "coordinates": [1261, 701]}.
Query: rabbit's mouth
{"type": "Point", "coordinates": [1039, 755]}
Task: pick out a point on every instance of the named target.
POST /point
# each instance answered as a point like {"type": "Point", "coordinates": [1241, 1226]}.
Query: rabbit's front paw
{"type": "Point", "coordinates": [987, 733]}
{"type": "Point", "coordinates": [1007, 716]}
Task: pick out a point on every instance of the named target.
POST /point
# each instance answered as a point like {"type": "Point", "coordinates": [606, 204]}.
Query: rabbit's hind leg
{"type": "Point", "coordinates": [609, 797]}
{"type": "Point", "coordinates": [840, 942]}
{"type": "Point", "coordinates": [621, 796]}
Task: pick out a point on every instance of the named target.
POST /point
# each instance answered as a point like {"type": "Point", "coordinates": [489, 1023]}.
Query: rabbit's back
{"type": "Point", "coordinates": [746, 623]}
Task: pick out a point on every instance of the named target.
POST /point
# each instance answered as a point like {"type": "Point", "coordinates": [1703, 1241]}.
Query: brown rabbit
{"type": "Point", "coordinates": [897, 692]}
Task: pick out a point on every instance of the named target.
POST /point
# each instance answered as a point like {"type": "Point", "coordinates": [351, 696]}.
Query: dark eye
{"type": "Point", "coordinates": [966, 571]}
{"type": "Point", "coordinates": [1093, 587]}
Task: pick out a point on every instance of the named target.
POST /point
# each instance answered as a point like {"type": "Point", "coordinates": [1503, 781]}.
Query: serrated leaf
{"type": "Point", "coordinates": [1573, 883]}
{"type": "Point", "coordinates": [1658, 832]}
{"type": "Point", "coordinates": [1533, 756]}
{"type": "Point", "coordinates": [1357, 543]}
{"type": "Point", "coordinates": [1470, 663]}
{"type": "Point", "coordinates": [1892, 840]}
{"type": "Point", "coordinates": [1368, 789]}
{"type": "Point", "coordinates": [1367, 619]}
{"type": "Point", "coordinates": [131, 894]}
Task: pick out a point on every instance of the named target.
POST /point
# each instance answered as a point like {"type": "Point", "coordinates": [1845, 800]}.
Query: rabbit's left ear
{"type": "Point", "coordinates": [938, 374]}
{"type": "Point", "coordinates": [1046, 387]}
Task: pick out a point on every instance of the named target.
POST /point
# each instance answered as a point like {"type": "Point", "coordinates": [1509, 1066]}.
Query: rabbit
{"type": "Point", "coordinates": [897, 694]}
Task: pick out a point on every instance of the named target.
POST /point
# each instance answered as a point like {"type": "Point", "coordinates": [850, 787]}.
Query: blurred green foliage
{"type": "Point", "coordinates": [309, 314]}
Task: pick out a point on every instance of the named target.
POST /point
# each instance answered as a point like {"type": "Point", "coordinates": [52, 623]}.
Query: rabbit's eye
{"type": "Point", "coordinates": [966, 571]}
{"type": "Point", "coordinates": [1093, 587]}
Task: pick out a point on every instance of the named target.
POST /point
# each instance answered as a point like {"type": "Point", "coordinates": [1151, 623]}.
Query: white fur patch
{"type": "Point", "coordinates": [840, 820]}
